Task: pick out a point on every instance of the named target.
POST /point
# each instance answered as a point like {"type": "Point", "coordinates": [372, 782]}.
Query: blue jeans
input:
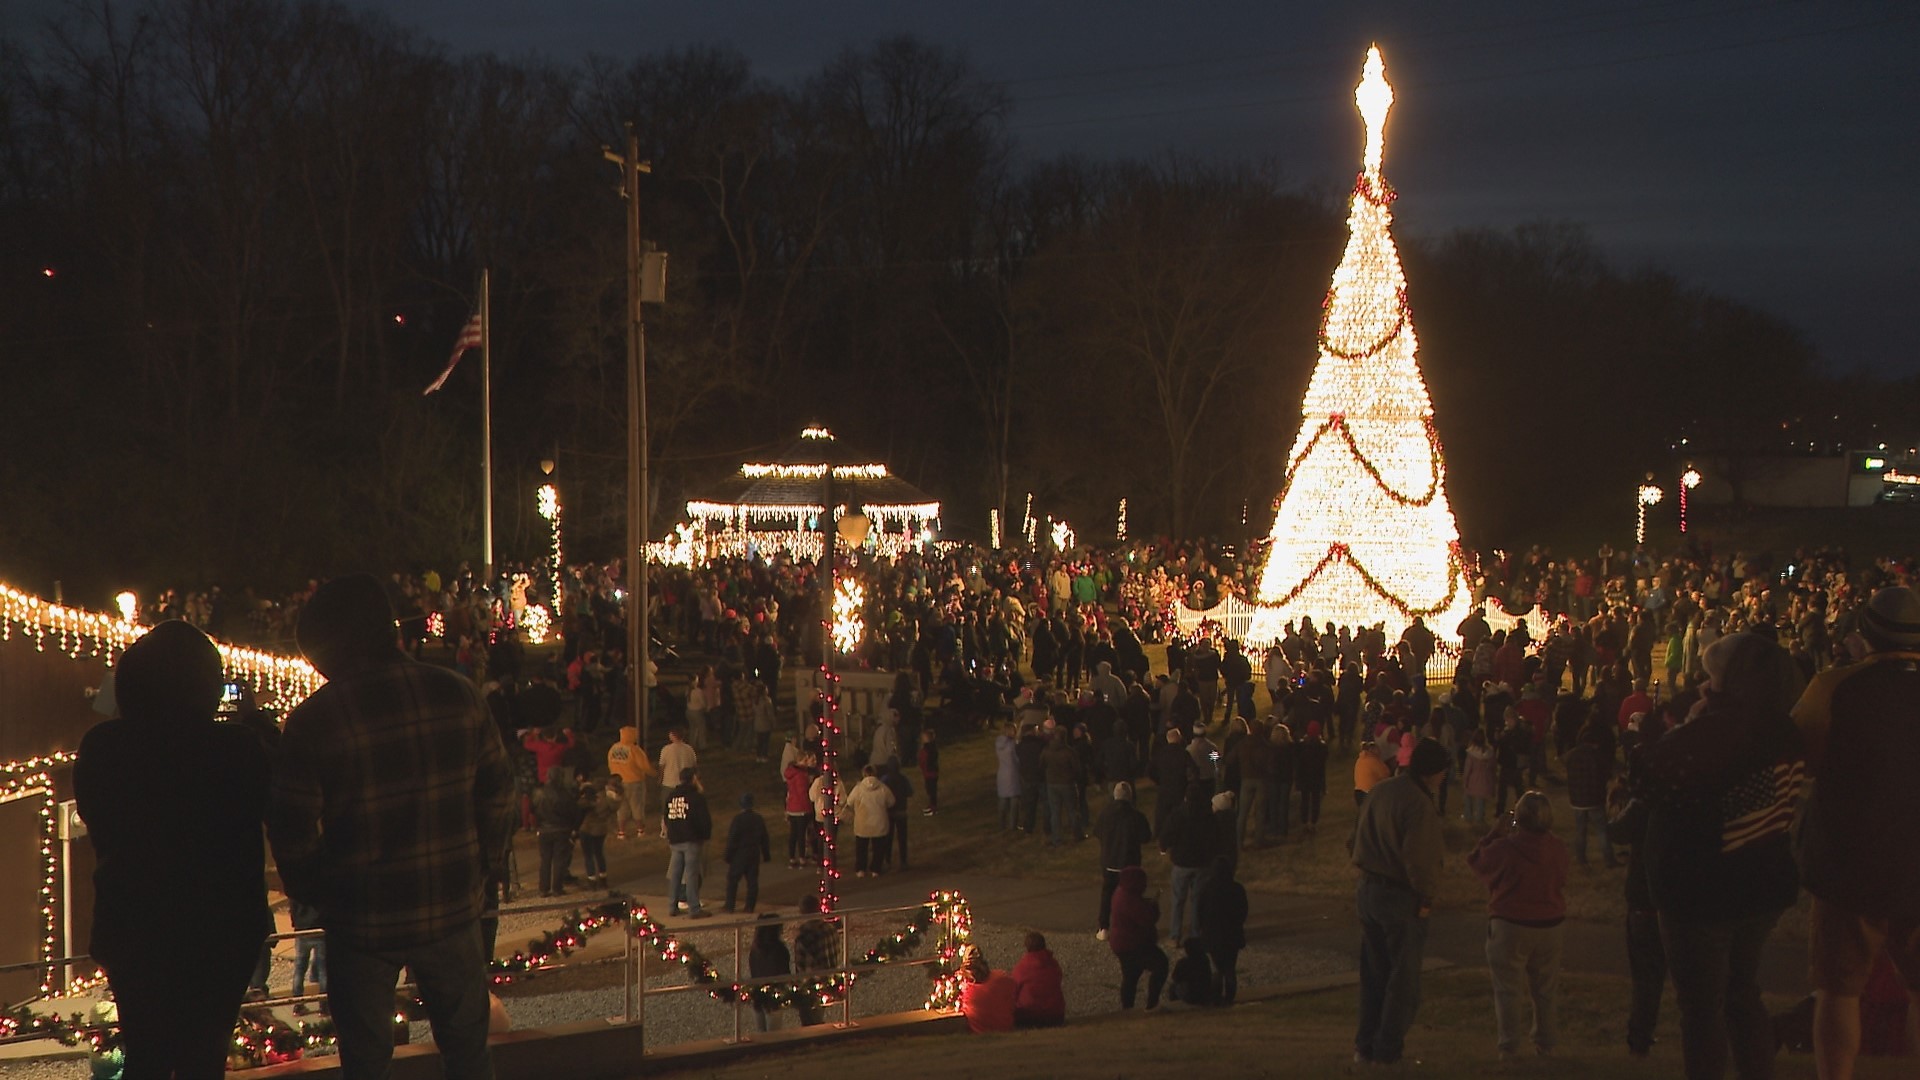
{"type": "Point", "coordinates": [452, 977]}
{"type": "Point", "coordinates": [1059, 812]}
{"type": "Point", "coordinates": [1595, 819]}
{"type": "Point", "coordinates": [1185, 880]}
{"type": "Point", "coordinates": [1393, 938]}
{"type": "Point", "coordinates": [685, 868]}
{"type": "Point", "coordinates": [309, 957]}
{"type": "Point", "coordinates": [1715, 970]}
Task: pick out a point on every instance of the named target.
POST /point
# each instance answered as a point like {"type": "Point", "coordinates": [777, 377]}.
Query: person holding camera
{"type": "Point", "coordinates": [1525, 869]}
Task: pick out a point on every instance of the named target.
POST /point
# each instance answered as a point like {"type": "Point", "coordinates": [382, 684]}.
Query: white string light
{"type": "Point", "coordinates": [1362, 531]}
{"type": "Point", "coordinates": [283, 681]}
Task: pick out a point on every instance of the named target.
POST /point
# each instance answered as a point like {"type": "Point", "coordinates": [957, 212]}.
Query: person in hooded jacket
{"type": "Point", "coordinates": [1133, 933]}
{"type": "Point", "coordinates": [628, 760]}
{"type": "Point", "coordinates": [1525, 869]}
{"type": "Point", "coordinates": [1039, 999]}
{"type": "Point", "coordinates": [799, 777]}
{"type": "Point", "coordinates": [868, 804]}
{"type": "Point", "coordinates": [689, 826]}
{"type": "Point", "coordinates": [1122, 830]}
{"type": "Point", "coordinates": [180, 892]}
{"type": "Point", "coordinates": [1221, 910]}
{"type": "Point", "coordinates": [1720, 792]}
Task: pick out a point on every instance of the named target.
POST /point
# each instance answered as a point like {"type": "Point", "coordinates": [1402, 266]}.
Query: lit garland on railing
{"type": "Point", "coordinates": [284, 679]}
{"type": "Point", "coordinates": [260, 1039]}
{"type": "Point", "coordinates": [1374, 500]}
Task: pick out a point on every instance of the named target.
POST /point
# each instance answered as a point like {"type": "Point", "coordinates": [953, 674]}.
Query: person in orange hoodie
{"type": "Point", "coordinates": [628, 760]}
{"type": "Point", "coordinates": [1368, 770]}
{"type": "Point", "coordinates": [1039, 999]}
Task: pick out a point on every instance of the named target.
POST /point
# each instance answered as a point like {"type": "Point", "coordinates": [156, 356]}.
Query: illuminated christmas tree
{"type": "Point", "coordinates": [1362, 533]}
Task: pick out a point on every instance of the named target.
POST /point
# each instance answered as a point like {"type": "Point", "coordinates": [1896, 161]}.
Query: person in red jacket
{"type": "Point", "coordinates": [988, 996]}
{"type": "Point", "coordinates": [549, 748]}
{"type": "Point", "coordinates": [1133, 933]}
{"type": "Point", "coordinates": [799, 777]}
{"type": "Point", "coordinates": [1039, 1000]}
{"type": "Point", "coordinates": [1525, 869]}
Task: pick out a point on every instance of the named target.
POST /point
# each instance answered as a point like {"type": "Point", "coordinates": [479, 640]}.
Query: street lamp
{"type": "Point", "coordinates": [1688, 481]}
{"type": "Point", "coordinates": [1649, 494]}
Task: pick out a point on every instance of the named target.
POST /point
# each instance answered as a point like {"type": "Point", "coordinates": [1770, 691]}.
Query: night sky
{"type": "Point", "coordinates": [1761, 149]}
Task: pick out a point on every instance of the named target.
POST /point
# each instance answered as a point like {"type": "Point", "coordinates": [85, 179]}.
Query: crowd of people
{"type": "Point", "coordinates": [1694, 769]}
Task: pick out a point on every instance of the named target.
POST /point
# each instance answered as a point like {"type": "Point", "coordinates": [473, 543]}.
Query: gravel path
{"type": "Point", "coordinates": [1092, 986]}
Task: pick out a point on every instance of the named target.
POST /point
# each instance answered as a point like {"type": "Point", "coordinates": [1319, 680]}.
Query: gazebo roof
{"type": "Point", "coordinates": [794, 482]}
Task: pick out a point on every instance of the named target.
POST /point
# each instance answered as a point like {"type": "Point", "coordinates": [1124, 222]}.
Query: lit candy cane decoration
{"type": "Point", "coordinates": [1648, 495]}
{"type": "Point", "coordinates": [1688, 481]}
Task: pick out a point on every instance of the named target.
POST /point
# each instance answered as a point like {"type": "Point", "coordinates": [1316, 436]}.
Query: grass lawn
{"type": "Point", "coordinates": [1308, 1035]}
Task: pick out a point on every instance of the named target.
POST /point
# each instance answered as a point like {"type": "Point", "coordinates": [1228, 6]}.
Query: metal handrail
{"type": "Point", "coordinates": [635, 1004]}
{"type": "Point", "coordinates": [843, 917]}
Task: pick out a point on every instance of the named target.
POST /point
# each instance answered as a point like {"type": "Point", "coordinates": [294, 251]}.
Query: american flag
{"type": "Point", "coordinates": [1761, 805]}
{"type": "Point", "coordinates": [471, 337]}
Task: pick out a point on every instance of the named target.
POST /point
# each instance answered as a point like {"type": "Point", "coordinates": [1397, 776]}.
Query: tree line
{"type": "Point", "coordinates": [241, 236]}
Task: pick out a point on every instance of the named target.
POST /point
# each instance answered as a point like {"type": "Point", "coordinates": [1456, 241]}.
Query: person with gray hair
{"type": "Point", "coordinates": [1525, 869]}
{"type": "Point", "coordinates": [1122, 831]}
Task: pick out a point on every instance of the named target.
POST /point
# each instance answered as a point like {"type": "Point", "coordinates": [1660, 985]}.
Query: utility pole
{"type": "Point", "coordinates": [638, 633]}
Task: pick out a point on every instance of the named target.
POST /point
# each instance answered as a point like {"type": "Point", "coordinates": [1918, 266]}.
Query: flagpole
{"type": "Point", "coordinates": [486, 427]}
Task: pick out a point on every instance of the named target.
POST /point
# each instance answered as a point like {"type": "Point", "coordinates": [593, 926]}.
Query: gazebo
{"type": "Point", "coordinates": [775, 506]}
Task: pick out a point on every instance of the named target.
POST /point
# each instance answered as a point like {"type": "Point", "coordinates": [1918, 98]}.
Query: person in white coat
{"type": "Point", "coordinates": [867, 804]}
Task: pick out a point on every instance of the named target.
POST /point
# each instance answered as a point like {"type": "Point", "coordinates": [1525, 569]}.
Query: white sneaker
{"type": "Point", "coordinates": [1100, 936]}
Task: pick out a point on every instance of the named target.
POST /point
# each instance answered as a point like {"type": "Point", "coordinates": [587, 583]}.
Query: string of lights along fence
{"type": "Point", "coordinates": [1362, 531]}
{"type": "Point", "coordinates": [284, 680]}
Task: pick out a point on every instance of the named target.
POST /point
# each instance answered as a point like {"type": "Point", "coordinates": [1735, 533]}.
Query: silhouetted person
{"type": "Point", "coordinates": [173, 803]}
{"type": "Point", "coordinates": [390, 805]}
